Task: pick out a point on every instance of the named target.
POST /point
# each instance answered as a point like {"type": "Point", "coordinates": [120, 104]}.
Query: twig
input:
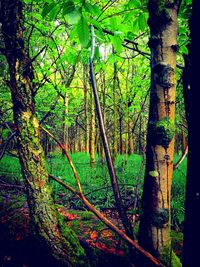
{"type": "Point", "coordinates": [6, 144]}
{"type": "Point", "coordinates": [12, 185]}
{"type": "Point", "coordinates": [67, 156]}
{"type": "Point", "coordinates": [34, 58]}
{"type": "Point", "coordinates": [176, 165]}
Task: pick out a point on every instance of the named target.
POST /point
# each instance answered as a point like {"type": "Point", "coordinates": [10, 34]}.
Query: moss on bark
{"type": "Point", "coordinates": [160, 217]}
{"type": "Point", "coordinates": [162, 132]}
{"type": "Point", "coordinates": [62, 244]}
{"type": "Point", "coordinates": [169, 258]}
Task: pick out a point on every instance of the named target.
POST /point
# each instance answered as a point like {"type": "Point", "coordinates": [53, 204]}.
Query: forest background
{"type": "Point", "coordinates": [125, 52]}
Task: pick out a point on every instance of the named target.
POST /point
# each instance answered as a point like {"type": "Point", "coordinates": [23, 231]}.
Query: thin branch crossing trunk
{"type": "Point", "coordinates": [111, 169]}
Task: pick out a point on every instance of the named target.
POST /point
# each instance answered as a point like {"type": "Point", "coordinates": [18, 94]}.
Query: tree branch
{"type": "Point", "coordinates": [107, 222]}
{"type": "Point", "coordinates": [176, 165]}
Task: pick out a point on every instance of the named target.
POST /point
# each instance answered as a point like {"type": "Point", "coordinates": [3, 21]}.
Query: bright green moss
{"type": "Point", "coordinates": [162, 132]}
{"type": "Point", "coordinates": [169, 258]}
{"type": "Point", "coordinates": [73, 243]}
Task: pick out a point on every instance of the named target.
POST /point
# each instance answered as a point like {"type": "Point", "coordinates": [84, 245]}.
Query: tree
{"type": "Point", "coordinates": [114, 154]}
{"type": "Point", "coordinates": [154, 232]}
{"type": "Point", "coordinates": [60, 241]}
{"type": "Point", "coordinates": [191, 82]}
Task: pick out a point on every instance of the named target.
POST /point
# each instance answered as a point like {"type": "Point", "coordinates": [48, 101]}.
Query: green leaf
{"type": "Point", "coordinates": [134, 3]}
{"type": "Point", "coordinates": [142, 22]}
{"type": "Point", "coordinates": [97, 54]}
{"type": "Point", "coordinates": [54, 12]}
{"type": "Point", "coordinates": [130, 35]}
{"type": "Point", "coordinates": [188, 2]}
{"type": "Point", "coordinates": [183, 49]}
{"type": "Point", "coordinates": [47, 8]}
{"type": "Point", "coordinates": [135, 26]}
{"type": "Point", "coordinates": [74, 16]}
{"type": "Point", "coordinates": [113, 23]}
{"type": "Point", "coordinates": [130, 15]}
{"type": "Point", "coordinates": [70, 58]}
{"type": "Point", "coordinates": [83, 32]}
{"type": "Point", "coordinates": [117, 43]}
{"type": "Point", "coordinates": [68, 7]}
{"type": "Point", "coordinates": [93, 9]}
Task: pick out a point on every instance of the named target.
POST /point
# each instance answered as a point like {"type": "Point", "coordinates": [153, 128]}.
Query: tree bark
{"type": "Point", "coordinates": [85, 85]}
{"type": "Point", "coordinates": [114, 154]}
{"type": "Point", "coordinates": [60, 241]}
{"type": "Point", "coordinates": [92, 131]}
{"type": "Point", "coordinates": [154, 230]}
{"type": "Point", "coordinates": [65, 125]}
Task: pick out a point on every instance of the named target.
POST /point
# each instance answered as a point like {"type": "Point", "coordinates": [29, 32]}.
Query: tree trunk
{"type": "Point", "coordinates": [61, 242]}
{"type": "Point", "coordinates": [191, 95]}
{"type": "Point", "coordinates": [121, 145]}
{"type": "Point", "coordinates": [92, 131]}
{"type": "Point", "coordinates": [154, 231]}
{"type": "Point", "coordinates": [103, 75]}
{"type": "Point", "coordinates": [65, 125]}
{"type": "Point", "coordinates": [130, 139]}
{"type": "Point", "coordinates": [85, 85]}
{"type": "Point", "coordinates": [114, 154]}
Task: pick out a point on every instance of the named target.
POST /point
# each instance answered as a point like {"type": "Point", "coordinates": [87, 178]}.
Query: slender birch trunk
{"type": "Point", "coordinates": [154, 232]}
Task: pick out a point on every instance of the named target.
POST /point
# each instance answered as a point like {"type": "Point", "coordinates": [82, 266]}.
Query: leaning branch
{"type": "Point", "coordinates": [67, 156]}
{"type": "Point", "coordinates": [93, 209]}
{"type": "Point", "coordinates": [113, 177]}
{"type": "Point", "coordinates": [107, 222]}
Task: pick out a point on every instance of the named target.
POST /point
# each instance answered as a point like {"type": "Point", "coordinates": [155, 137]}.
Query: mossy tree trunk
{"type": "Point", "coordinates": [154, 232]}
{"type": "Point", "coordinates": [61, 242]}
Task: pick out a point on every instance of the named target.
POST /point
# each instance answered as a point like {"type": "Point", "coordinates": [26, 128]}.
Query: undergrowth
{"type": "Point", "coordinates": [96, 183]}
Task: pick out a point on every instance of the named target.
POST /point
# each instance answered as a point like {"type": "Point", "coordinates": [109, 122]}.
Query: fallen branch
{"type": "Point", "coordinates": [107, 222]}
{"type": "Point", "coordinates": [93, 209]}
{"type": "Point", "coordinates": [12, 185]}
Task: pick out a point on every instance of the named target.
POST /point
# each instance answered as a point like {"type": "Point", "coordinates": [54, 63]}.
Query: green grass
{"type": "Point", "coordinates": [95, 181]}
{"type": "Point", "coordinates": [10, 169]}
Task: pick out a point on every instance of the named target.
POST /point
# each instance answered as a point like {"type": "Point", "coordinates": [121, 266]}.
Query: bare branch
{"type": "Point", "coordinates": [107, 222]}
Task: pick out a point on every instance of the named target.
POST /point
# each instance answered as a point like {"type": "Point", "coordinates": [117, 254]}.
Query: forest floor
{"type": "Point", "coordinates": [16, 233]}
{"type": "Point", "coordinates": [17, 247]}
{"type": "Point", "coordinates": [17, 244]}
